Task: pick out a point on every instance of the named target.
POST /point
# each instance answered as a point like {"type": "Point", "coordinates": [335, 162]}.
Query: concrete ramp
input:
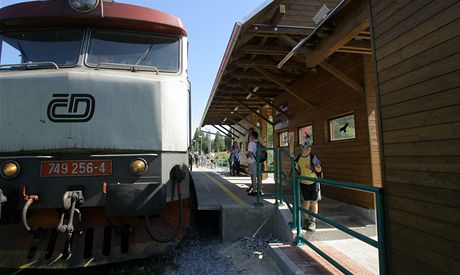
{"type": "Point", "coordinates": [247, 221]}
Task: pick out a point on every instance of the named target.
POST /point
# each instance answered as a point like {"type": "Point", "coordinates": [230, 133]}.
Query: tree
{"type": "Point", "coordinates": [218, 143]}
{"type": "Point", "coordinates": [207, 143]}
{"type": "Point", "coordinates": [198, 138]}
{"type": "Point", "coordinates": [228, 142]}
{"type": "Point", "coordinates": [270, 134]}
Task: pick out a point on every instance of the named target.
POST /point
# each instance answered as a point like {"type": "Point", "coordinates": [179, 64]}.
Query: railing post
{"type": "Point", "coordinates": [258, 179]}
{"type": "Point", "coordinates": [299, 212]}
{"type": "Point", "coordinates": [280, 170]}
{"type": "Point", "coordinates": [381, 232]}
{"type": "Point", "coordinates": [275, 163]}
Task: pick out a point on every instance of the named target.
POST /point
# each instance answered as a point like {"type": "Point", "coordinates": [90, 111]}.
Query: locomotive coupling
{"type": "Point", "coordinates": [3, 199]}
{"type": "Point", "coordinates": [70, 200]}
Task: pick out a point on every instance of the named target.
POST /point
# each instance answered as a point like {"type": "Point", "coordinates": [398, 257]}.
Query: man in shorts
{"type": "Point", "coordinates": [308, 165]}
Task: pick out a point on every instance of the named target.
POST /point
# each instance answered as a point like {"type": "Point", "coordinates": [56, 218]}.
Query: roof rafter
{"type": "Point", "coordinates": [283, 85]}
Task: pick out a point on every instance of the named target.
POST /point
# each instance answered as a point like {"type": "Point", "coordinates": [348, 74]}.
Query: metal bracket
{"type": "Point", "coordinates": [70, 199]}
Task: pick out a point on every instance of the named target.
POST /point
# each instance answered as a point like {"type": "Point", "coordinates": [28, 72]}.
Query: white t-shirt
{"type": "Point", "coordinates": [252, 147]}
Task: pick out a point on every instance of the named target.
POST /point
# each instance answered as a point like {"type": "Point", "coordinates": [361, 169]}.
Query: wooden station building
{"type": "Point", "coordinates": [376, 85]}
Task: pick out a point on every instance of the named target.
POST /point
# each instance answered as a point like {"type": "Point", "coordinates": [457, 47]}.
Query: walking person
{"type": "Point", "coordinates": [308, 165]}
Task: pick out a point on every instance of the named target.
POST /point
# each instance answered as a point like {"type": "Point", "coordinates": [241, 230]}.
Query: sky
{"type": "Point", "coordinates": [209, 24]}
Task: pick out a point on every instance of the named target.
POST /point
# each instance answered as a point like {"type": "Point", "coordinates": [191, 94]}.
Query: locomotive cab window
{"type": "Point", "coordinates": [342, 127]}
{"type": "Point", "coordinates": [40, 48]}
{"type": "Point", "coordinates": [133, 50]}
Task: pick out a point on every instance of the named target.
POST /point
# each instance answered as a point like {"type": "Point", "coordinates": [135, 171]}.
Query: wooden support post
{"type": "Point", "coordinates": [283, 85]}
{"type": "Point", "coordinates": [341, 76]}
{"type": "Point", "coordinates": [249, 108]}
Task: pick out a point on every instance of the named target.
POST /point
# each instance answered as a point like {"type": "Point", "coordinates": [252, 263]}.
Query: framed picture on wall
{"type": "Point", "coordinates": [342, 128]}
{"type": "Point", "coordinates": [305, 132]}
{"type": "Point", "coordinates": [284, 139]}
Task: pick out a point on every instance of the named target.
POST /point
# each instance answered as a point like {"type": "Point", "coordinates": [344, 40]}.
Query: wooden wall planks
{"type": "Point", "coordinates": [417, 57]}
{"type": "Point", "coordinates": [347, 160]}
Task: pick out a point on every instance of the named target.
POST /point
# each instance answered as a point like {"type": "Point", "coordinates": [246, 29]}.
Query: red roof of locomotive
{"type": "Point", "coordinates": [58, 13]}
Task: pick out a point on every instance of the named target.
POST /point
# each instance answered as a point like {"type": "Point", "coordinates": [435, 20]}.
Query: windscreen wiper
{"type": "Point", "coordinates": [144, 55]}
{"type": "Point", "coordinates": [24, 56]}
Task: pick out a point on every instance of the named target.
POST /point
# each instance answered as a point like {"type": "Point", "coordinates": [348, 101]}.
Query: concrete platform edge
{"type": "Point", "coordinates": [284, 263]}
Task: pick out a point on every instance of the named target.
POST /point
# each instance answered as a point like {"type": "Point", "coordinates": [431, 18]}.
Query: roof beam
{"type": "Point", "coordinates": [247, 121]}
{"type": "Point", "coordinates": [292, 43]}
{"type": "Point", "coordinates": [280, 29]}
{"type": "Point", "coordinates": [264, 100]}
{"type": "Point", "coordinates": [228, 132]}
{"type": "Point", "coordinates": [234, 122]}
{"type": "Point", "coordinates": [264, 50]}
{"type": "Point", "coordinates": [266, 64]}
{"type": "Point", "coordinates": [368, 52]}
{"type": "Point", "coordinates": [250, 109]}
{"type": "Point", "coordinates": [279, 13]}
{"type": "Point", "coordinates": [283, 85]}
{"type": "Point", "coordinates": [211, 133]}
{"type": "Point", "coordinates": [353, 19]}
{"type": "Point", "coordinates": [343, 77]}
{"type": "Point", "coordinates": [235, 129]}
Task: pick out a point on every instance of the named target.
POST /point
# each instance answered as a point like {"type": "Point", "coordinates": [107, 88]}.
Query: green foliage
{"type": "Point", "coordinates": [269, 135]}
{"type": "Point", "coordinates": [222, 158]}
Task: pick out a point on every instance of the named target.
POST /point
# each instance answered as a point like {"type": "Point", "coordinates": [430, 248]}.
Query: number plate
{"type": "Point", "coordinates": [69, 168]}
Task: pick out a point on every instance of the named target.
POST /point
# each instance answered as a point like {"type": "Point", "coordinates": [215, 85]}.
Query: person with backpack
{"type": "Point", "coordinates": [308, 165]}
{"type": "Point", "coordinates": [252, 164]}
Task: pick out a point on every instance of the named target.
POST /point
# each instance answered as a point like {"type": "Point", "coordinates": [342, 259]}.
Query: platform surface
{"type": "Point", "coordinates": [217, 190]}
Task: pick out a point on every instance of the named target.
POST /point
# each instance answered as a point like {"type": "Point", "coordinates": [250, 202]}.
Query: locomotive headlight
{"type": "Point", "coordinates": [83, 5]}
{"type": "Point", "coordinates": [10, 169]}
{"type": "Point", "coordinates": [138, 166]}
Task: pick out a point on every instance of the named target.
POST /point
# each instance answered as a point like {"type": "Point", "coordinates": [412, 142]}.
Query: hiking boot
{"type": "Point", "coordinates": [312, 226]}
{"type": "Point", "coordinates": [305, 225]}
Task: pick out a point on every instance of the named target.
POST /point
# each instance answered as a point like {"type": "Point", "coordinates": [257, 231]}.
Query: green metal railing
{"type": "Point", "coordinates": [259, 175]}
{"type": "Point", "coordinates": [296, 209]}
{"type": "Point", "coordinates": [288, 178]}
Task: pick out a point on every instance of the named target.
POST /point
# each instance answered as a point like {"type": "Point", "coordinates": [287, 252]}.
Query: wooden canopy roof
{"type": "Point", "coordinates": [251, 73]}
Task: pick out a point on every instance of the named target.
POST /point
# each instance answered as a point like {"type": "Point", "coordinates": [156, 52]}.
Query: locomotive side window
{"type": "Point", "coordinates": [61, 47]}
{"type": "Point", "coordinates": [133, 49]}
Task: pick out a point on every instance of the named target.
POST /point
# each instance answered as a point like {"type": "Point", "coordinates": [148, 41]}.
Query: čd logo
{"type": "Point", "coordinates": [71, 108]}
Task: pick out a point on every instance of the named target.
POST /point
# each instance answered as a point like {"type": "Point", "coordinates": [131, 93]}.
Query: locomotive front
{"type": "Point", "coordinates": [95, 126]}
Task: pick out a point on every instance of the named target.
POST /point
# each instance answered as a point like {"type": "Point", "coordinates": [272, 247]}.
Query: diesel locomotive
{"type": "Point", "coordinates": [94, 131]}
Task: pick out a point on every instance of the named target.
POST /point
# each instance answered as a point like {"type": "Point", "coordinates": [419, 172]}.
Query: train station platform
{"type": "Point", "coordinates": [216, 190]}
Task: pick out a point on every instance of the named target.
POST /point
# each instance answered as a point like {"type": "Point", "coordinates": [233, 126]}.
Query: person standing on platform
{"type": "Point", "coordinates": [308, 165]}
{"type": "Point", "coordinates": [252, 164]}
{"type": "Point", "coordinates": [235, 168]}
{"type": "Point", "coordinates": [190, 160]}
